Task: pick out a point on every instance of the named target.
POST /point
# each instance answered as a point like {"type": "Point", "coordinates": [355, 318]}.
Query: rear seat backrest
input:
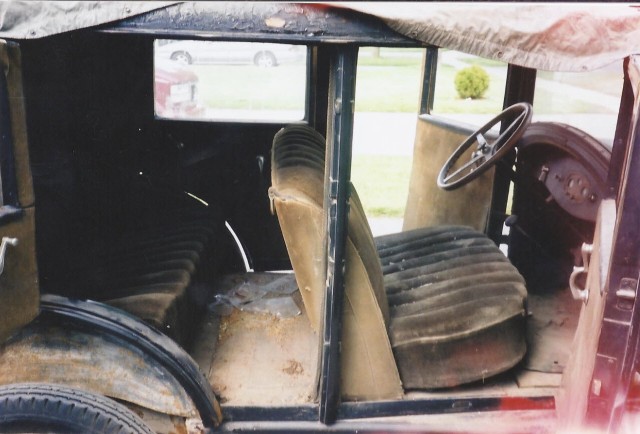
{"type": "Point", "coordinates": [369, 370]}
{"type": "Point", "coordinates": [149, 272]}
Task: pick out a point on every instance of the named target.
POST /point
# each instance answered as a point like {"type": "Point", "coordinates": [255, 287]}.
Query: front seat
{"type": "Point", "coordinates": [428, 308]}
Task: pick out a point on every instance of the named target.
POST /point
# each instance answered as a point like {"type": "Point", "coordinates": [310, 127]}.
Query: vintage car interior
{"type": "Point", "coordinates": [247, 250]}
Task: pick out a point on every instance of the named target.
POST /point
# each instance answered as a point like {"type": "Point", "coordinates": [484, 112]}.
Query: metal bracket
{"type": "Point", "coordinates": [577, 292]}
{"type": "Point", "coordinates": [6, 241]}
{"type": "Point", "coordinates": [626, 293]}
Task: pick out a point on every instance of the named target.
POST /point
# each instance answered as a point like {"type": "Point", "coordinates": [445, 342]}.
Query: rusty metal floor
{"type": "Point", "coordinates": [258, 358]}
{"type": "Point", "coordinates": [261, 359]}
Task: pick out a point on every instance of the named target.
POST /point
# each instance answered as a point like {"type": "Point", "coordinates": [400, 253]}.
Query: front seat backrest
{"type": "Point", "coordinates": [369, 370]}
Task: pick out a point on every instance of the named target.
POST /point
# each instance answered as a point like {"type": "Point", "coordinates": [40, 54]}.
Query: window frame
{"type": "Point", "coordinates": [308, 97]}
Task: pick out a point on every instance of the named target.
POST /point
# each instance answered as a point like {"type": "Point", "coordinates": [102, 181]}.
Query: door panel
{"type": "Point", "coordinates": [573, 396]}
{"type": "Point", "coordinates": [427, 204]}
{"type": "Point", "coordinates": [19, 293]}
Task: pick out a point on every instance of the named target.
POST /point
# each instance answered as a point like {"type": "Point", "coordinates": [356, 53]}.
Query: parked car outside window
{"type": "Point", "coordinates": [263, 55]}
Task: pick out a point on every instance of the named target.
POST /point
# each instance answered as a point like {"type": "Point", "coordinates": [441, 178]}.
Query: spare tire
{"type": "Point", "coordinates": [39, 408]}
{"type": "Point", "coordinates": [561, 177]}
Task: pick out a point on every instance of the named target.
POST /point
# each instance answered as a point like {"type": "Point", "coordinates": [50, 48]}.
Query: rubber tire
{"type": "Point", "coordinates": [549, 269]}
{"type": "Point", "coordinates": [570, 140]}
{"type": "Point", "coordinates": [265, 59]}
{"type": "Point", "coordinates": [48, 408]}
{"type": "Point", "coordinates": [182, 57]}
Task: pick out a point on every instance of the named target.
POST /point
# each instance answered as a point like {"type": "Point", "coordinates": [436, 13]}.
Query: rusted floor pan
{"type": "Point", "coordinates": [259, 358]}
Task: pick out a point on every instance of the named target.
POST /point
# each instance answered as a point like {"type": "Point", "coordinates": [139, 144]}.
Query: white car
{"type": "Point", "coordinates": [260, 54]}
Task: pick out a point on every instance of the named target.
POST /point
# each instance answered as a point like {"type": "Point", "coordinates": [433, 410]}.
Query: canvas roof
{"type": "Point", "coordinates": [549, 36]}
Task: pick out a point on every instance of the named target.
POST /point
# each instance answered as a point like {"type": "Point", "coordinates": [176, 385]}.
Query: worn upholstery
{"type": "Point", "coordinates": [444, 301]}
{"type": "Point", "coordinates": [149, 270]}
{"type": "Point", "coordinates": [456, 306]}
{"type": "Point", "coordinates": [436, 139]}
{"type": "Point", "coordinates": [368, 366]}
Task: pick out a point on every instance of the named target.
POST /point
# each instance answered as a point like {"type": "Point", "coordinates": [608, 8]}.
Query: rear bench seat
{"type": "Point", "coordinates": [150, 270]}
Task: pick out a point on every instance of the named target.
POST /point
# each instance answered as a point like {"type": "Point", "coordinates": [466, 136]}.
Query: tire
{"type": "Point", "coordinates": [570, 140]}
{"type": "Point", "coordinates": [265, 59]}
{"type": "Point", "coordinates": [40, 408]}
{"type": "Point", "coordinates": [547, 244]}
{"type": "Point", "coordinates": [182, 57]}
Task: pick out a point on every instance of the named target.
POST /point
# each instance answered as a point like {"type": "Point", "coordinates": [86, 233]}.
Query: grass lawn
{"type": "Point", "coordinates": [382, 182]}
{"type": "Point", "coordinates": [609, 80]}
{"type": "Point", "coordinates": [388, 81]}
{"type": "Point", "coordinates": [251, 87]}
{"type": "Point", "coordinates": [388, 89]}
{"type": "Point", "coordinates": [548, 102]}
{"type": "Point", "coordinates": [447, 100]}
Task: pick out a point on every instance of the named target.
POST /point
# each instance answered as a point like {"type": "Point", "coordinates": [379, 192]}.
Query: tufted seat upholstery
{"type": "Point", "coordinates": [427, 308]}
{"type": "Point", "coordinates": [456, 306]}
{"type": "Point", "coordinates": [148, 270]}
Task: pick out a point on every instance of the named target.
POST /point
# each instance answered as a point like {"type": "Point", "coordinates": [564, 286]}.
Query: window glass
{"type": "Point", "coordinates": [215, 80]}
{"type": "Point", "coordinates": [586, 100]}
{"type": "Point", "coordinates": [468, 88]}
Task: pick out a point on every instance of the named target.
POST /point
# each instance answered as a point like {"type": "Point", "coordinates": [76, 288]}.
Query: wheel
{"type": "Point", "coordinates": [486, 154]}
{"type": "Point", "coordinates": [552, 220]}
{"type": "Point", "coordinates": [181, 57]}
{"type": "Point", "coordinates": [265, 59]}
{"type": "Point", "coordinates": [40, 408]}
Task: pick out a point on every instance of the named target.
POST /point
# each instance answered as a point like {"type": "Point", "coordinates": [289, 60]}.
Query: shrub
{"type": "Point", "coordinates": [472, 82]}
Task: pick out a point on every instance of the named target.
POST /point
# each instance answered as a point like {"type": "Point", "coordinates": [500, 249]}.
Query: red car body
{"type": "Point", "coordinates": [175, 91]}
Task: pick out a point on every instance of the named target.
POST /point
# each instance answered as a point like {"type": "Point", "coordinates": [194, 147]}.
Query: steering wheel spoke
{"type": "Point", "coordinates": [480, 157]}
{"type": "Point", "coordinates": [482, 142]}
{"type": "Point", "coordinates": [486, 153]}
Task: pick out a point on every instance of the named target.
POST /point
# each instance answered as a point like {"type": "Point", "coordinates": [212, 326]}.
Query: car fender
{"type": "Point", "coordinates": [103, 350]}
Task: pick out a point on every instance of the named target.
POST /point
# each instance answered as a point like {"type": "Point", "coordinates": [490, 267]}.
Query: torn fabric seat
{"type": "Point", "coordinates": [427, 308]}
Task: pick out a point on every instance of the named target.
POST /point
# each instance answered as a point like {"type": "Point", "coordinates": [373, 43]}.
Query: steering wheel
{"type": "Point", "coordinates": [486, 154]}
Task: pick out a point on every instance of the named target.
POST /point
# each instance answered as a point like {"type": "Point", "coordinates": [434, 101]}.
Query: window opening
{"type": "Point", "coordinates": [586, 100]}
{"type": "Point", "coordinates": [387, 101]}
{"type": "Point", "coordinates": [233, 81]}
{"type": "Point", "coordinates": [459, 90]}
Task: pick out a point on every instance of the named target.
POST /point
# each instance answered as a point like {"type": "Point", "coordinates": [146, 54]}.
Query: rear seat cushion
{"type": "Point", "coordinates": [148, 270]}
{"type": "Point", "coordinates": [158, 309]}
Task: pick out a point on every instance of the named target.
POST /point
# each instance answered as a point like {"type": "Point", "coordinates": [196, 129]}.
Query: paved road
{"type": "Point", "coordinates": [384, 133]}
{"type": "Point", "coordinates": [394, 133]}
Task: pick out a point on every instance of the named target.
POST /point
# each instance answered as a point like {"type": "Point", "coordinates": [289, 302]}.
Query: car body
{"type": "Point", "coordinates": [264, 55]}
{"type": "Point", "coordinates": [175, 91]}
{"type": "Point", "coordinates": [173, 263]}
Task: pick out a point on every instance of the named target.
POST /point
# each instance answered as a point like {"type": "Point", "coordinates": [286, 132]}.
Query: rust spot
{"type": "Point", "coordinates": [179, 426]}
{"type": "Point", "coordinates": [526, 403]}
{"type": "Point", "coordinates": [293, 367]}
{"type": "Point", "coordinates": [275, 22]}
